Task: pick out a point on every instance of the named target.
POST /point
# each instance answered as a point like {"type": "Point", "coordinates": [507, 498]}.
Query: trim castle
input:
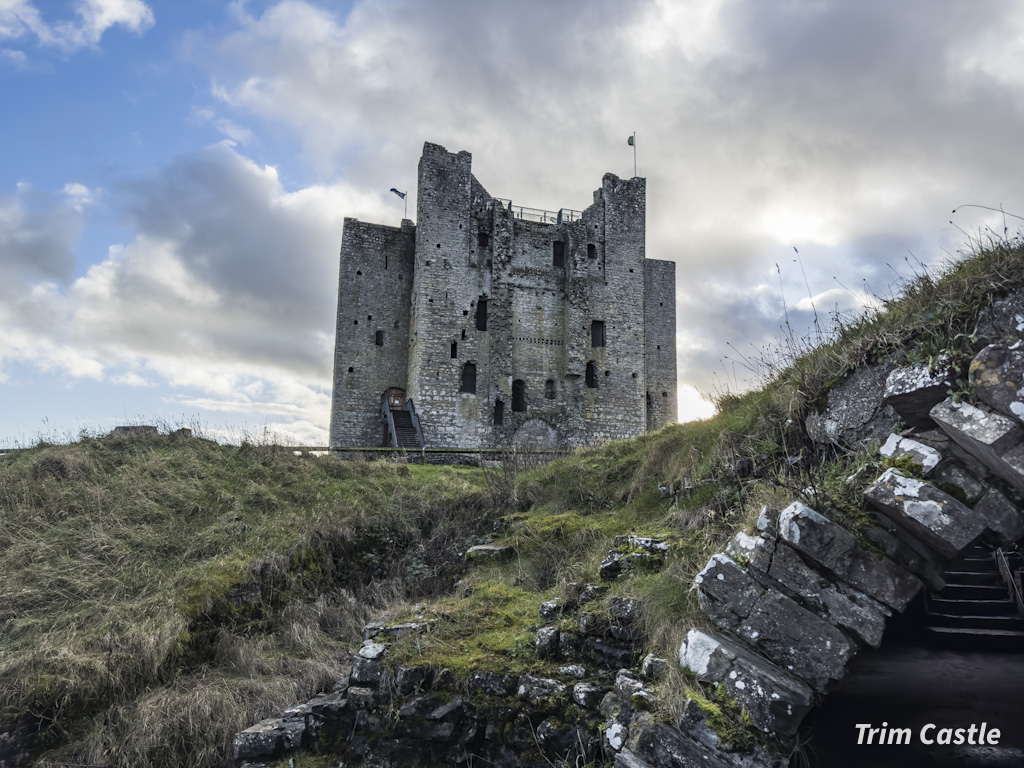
{"type": "Point", "coordinates": [486, 325]}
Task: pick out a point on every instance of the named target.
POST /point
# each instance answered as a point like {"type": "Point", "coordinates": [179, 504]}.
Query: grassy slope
{"type": "Point", "coordinates": [120, 558]}
{"type": "Point", "coordinates": [160, 594]}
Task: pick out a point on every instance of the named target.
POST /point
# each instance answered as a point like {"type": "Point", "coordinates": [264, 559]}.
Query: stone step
{"type": "Point", "coordinates": [965, 577]}
{"type": "Point", "coordinates": [976, 639]}
{"type": "Point", "coordinates": [972, 607]}
{"type": "Point", "coordinates": [973, 592]}
{"type": "Point", "coordinates": [976, 622]}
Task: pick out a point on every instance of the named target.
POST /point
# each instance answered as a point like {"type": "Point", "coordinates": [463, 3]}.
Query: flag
{"type": "Point", "coordinates": [402, 194]}
{"type": "Point", "coordinates": [630, 141]}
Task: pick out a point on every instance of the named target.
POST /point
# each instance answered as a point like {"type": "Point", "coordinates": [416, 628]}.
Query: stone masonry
{"type": "Point", "coordinates": [505, 327]}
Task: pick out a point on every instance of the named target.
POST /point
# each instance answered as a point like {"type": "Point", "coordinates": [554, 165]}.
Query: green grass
{"type": "Point", "coordinates": [149, 581]}
{"type": "Point", "coordinates": [160, 594]}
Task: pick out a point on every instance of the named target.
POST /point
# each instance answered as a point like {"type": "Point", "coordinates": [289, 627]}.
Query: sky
{"type": "Point", "coordinates": [174, 175]}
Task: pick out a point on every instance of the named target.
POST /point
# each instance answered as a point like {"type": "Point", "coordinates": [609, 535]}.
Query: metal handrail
{"type": "Point", "coordinates": [562, 215]}
{"type": "Point", "coordinates": [1007, 574]}
{"type": "Point", "coordinates": [415, 421]}
{"type": "Point", "coordinates": [387, 418]}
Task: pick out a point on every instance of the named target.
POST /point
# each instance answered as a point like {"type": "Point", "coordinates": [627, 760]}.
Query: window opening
{"type": "Point", "coordinates": [481, 313]}
{"type": "Point", "coordinates": [597, 333]}
{"type": "Point", "coordinates": [549, 389]}
{"type": "Point", "coordinates": [455, 349]}
{"type": "Point", "coordinates": [558, 257]}
{"type": "Point", "coordinates": [468, 379]}
{"type": "Point", "coordinates": [463, 334]}
{"type": "Point", "coordinates": [483, 239]}
{"type": "Point", "coordinates": [591, 251]}
{"type": "Point", "coordinates": [378, 338]}
{"type": "Point", "coordinates": [591, 379]}
{"type": "Point", "coordinates": [518, 395]}
{"type": "Point", "coordinates": [499, 413]}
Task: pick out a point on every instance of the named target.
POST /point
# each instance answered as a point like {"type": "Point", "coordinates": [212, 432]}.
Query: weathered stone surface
{"type": "Point", "coordinates": [612, 566]}
{"type": "Point", "coordinates": [615, 734]}
{"type": "Point", "coordinates": [546, 642]}
{"type": "Point", "coordinates": [662, 745]}
{"type": "Point", "coordinates": [588, 695]}
{"type": "Point", "coordinates": [693, 723]}
{"type": "Point", "coordinates": [410, 679]}
{"type": "Point", "coordinates": [936, 518]}
{"type": "Point", "coordinates": [626, 683]}
{"type": "Point", "coordinates": [1013, 468]}
{"type": "Point", "coordinates": [653, 668]}
{"type": "Point", "coordinates": [573, 670]}
{"type": "Point", "coordinates": [361, 698]}
{"type": "Point", "coordinates": [570, 645]}
{"type": "Point", "coordinates": [984, 434]}
{"type": "Point", "coordinates": [788, 634]}
{"type": "Point", "coordinates": [997, 376]}
{"type": "Point", "coordinates": [490, 552]}
{"type": "Point", "coordinates": [1003, 320]}
{"type": "Point", "coordinates": [454, 711]}
{"type": "Point", "coordinates": [590, 593]}
{"type": "Point", "coordinates": [542, 692]}
{"type": "Point", "coordinates": [628, 759]}
{"type": "Point", "coordinates": [837, 602]}
{"type": "Point", "coordinates": [643, 701]}
{"type": "Point", "coordinates": [756, 551]}
{"type": "Point", "coordinates": [839, 552]}
{"type": "Point", "coordinates": [377, 629]}
{"type": "Point", "coordinates": [623, 609]}
{"type": "Point", "coordinates": [269, 738]}
{"type": "Point", "coordinates": [610, 655]}
{"type": "Point", "coordinates": [953, 472]}
{"type": "Point", "coordinates": [855, 412]}
{"type": "Point", "coordinates": [775, 700]}
{"type": "Point", "coordinates": [1002, 516]}
{"type": "Point", "coordinates": [421, 706]}
{"type": "Point", "coordinates": [371, 651]}
{"type": "Point", "coordinates": [566, 744]}
{"type": "Point", "coordinates": [654, 546]}
{"type": "Point", "coordinates": [552, 609]}
{"type": "Point", "coordinates": [493, 683]}
{"type": "Point", "coordinates": [897, 447]}
{"type": "Point", "coordinates": [365, 672]}
{"type": "Point", "coordinates": [906, 551]}
{"type": "Point", "coordinates": [914, 390]}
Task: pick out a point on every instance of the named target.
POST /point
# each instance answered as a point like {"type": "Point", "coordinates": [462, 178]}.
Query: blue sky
{"type": "Point", "coordinates": [174, 175]}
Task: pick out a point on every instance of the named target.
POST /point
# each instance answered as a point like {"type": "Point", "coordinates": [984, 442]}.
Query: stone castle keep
{"type": "Point", "coordinates": [487, 324]}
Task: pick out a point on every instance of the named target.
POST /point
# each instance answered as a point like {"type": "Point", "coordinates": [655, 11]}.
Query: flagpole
{"type": "Point", "coordinates": [634, 154]}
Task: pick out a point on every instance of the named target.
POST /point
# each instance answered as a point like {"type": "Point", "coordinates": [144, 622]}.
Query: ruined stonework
{"type": "Point", "coordinates": [504, 325]}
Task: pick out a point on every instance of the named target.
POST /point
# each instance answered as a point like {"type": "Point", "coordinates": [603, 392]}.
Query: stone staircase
{"type": "Point", "coordinates": [975, 608]}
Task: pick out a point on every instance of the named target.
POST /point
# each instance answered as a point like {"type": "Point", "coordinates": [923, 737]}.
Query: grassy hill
{"type": "Point", "coordinates": [159, 593]}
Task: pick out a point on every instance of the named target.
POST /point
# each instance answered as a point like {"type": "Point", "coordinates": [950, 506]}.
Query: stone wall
{"type": "Point", "coordinates": [660, 342]}
{"type": "Point", "coordinates": [374, 293]}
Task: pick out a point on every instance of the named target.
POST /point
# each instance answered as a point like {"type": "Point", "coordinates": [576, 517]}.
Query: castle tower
{"type": "Point", "coordinates": [521, 326]}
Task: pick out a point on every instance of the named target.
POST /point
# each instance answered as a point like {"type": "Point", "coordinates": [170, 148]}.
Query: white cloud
{"type": "Point", "coordinates": [19, 18]}
{"type": "Point", "coordinates": [226, 291]}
